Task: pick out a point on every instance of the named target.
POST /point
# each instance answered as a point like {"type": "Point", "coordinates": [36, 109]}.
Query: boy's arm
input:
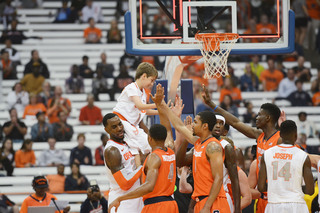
{"type": "Point", "coordinates": [141, 106]}
{"type": "Point", "coordinates": [152, 112]}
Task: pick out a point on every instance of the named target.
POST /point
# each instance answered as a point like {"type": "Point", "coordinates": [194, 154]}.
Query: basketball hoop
{"type": "Point", "coordinates": [215, 56]}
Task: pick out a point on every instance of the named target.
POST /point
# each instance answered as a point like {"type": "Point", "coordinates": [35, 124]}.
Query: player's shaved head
{"type": "Point", "coordinates": [288, 131]}
{"type": "Point", "coordinates": [158, 132]}
{"type": "Point", "coordinates": [107, 117]}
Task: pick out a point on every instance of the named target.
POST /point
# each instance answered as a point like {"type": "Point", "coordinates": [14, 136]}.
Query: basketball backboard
{"type": "Point", "coordinates": [148, 36]}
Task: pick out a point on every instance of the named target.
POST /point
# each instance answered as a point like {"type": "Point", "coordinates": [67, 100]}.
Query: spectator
{"type": "Point", "coordinates": [76, 181]}
{"type": "Point", "coordinates": [303, 73]}
{"type": "Point", "coordinates": [9, 71]}
{"type": "Point", "coordinates": [46, 93]}
{"type": "Point", "coordinates": [25, 157]}
{"type": "Point", "coordinates": [315, 85]}
{"type": "Point", "coordinates": [63, 14]}
{"type": "Point", "coordinates": [228, 105]}
{"type": "Point", "coordinates": [252, 29]}
{"type": "Point", "coordinates": [33, 108]}
{"type": "Point", "coordinates": [264, 27]}
{"type": "Point", "coordinates": [232, 76]}
{"type": "Point", "coordinates": [301, 14]}
{"type": "Point", "coordinates": [9, 13]}
{"type": "Point", "coordinates": [74, 84]}
{"type": "Point", "coordinates": [95, 201]}
{"type": "Point", "coordinates": [35, 58]}
{"type": "Point", "coordinates": [230, 89]}
{"type": "Point", "coordinates": [81, 154]}
{"type": "Point", "coordinates": [90, 114]}
{"type": "Point", "coordinates": [271, 77]}
{"type": "Point", "coordinates": [7, 157]}
{"type": "Point", "coordinates": [287, 85]}
{"type": "Point", "coordinates": [305, 126]}
{"type": "Point", "coordinates": [107, 69]}
{"type": "Point", "coordinates": [99, 153]}
{"type": "Point", "coordinates": [42, 130]}
{"type": "Point", "coordinates": [56, 182]}
{"type": "Point", "coordinates": [7, 205]}
{"type": "Point", "coordinates": [57, 104]}
{"type": "Point", "coordinates": [18, 98]}
{"type": "Point", "coordinates": [41, 197]}
{"type": "Point", "coordinates": [255, 66]}
{"type": "Point", "coordinates": [313, 8]}
{"type": "Point", "coordinates": [32, 82]}
{"type": "Point", "coordinates": [316, 98]}
{"type": "Point", "coordinates": [16, 36]}
{"type": "Point", "coordinates": [250, 115]}
{"type": "Point", "coordinates": [122, 80]}
{"type": "Point", "coordinates": [129, 61]}
{"type": "Point", "coordinates": [300, 97]}
{"type": "Point", "coordinates": [100, 85]}
{"type": "Point", "coordinates": [62, 131]}
{"type": "Point", "coordinates": [52, 156]}
{"type": "Point", "coordinates": [14, 129]}
{"type": "Point", "coordinates": [92, 34]}
{"type": "Point", "coordinates": [91, 10]}
{"type": "Point", "coordinates": [302, 142]}
{"type": "Point", "coordinates": [249, 81]}
{"type": "Point", "coordinates": [114, 34]}
{"type": "Point", "coordinates": [14, 55]}
{"type": "Point", "coordinates": [84, 69]}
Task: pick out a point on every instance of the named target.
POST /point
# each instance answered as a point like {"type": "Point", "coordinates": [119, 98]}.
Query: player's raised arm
{"type": "Point", "coordinates": [214, 153]}
{"type": "Point", "coordinates": [262, 180]}
{"type": "Point", "coordinates": [308, 178]}
{"type": "Point", "coordinates": [175, 120]}
{"type": "Point", "coordinates": [124, 178]}
{"type": "Point", "coordinates": [230, 119]}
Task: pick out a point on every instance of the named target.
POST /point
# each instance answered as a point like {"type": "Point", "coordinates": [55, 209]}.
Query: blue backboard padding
{"type": "Point", "coordinates": [187, 96]}
{"type": "Point", "coordinates": [140, 51]}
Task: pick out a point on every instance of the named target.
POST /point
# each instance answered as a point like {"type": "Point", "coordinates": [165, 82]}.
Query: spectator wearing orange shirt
{"type": "Point", "coordinates": [271, 77]}
{"type": "Point", "coordinates": [33, 108]}
{"type": "Point", "coordinates": [25, 157]}
{"type": "Point", "coordinates": [264, 27]}
{"type": "Point", "coordinates": [229, 89]}
{"type": "Point", "coordinates": [57, 104]}
{"type": "Point", "coordinates": [99, 153]}
{"type": "Point", "coordinates": [252, 29]}
{"type": "Point", "coordinates": [40, 197]}
{"type": "Point", "coordinates": [90, 114]}
{"type": "Point", "coordinates": [56, 182]}
{"type": "Point", "coordinates": [92, 34]}
{"type": "Point", "coordinates": [316, 99]}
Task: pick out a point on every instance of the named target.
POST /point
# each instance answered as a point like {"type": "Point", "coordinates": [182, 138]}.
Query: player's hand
{"type": "Point", "coordinates": [282, 118]}
{"type": "Point", "coordinates": [188, 122]}
{"type": "Point", "coordinates": [178, 107]}
{"type": "Point", "coordinates": [158, 96]}
{"type": "Point", "coordinates": [115, 203]}
{"type": "Point", "coordinates": [206, 96]}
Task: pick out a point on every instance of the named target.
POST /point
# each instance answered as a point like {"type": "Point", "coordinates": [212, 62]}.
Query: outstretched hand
{"type": "Point", "coordinates": [206, 96]}
{"type": "Point", "coordinates": [116, 204]}
{"type": "Point", "coordinates": [282, 118]}
{"type": "Point", "coordinates": [158, 96]}
{"type": "Point", "coordinates": [188, 122]}
{"type": "Point", "coordinates": [178, 107]}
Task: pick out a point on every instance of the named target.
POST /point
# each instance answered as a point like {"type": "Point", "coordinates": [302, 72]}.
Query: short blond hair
{"type": "Point", "coordinates": [147, 68]}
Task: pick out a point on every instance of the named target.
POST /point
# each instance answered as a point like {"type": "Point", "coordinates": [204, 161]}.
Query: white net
{"type": "Point", "coordinates": [215, 49]}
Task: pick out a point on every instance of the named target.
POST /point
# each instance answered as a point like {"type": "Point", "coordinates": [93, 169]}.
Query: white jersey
{"type": "Point", "coordinates": [284, 165]}
{"type": "Point", "coordinates": [128, 162]}
{"type": "Point", "coordinates": [127, 108]}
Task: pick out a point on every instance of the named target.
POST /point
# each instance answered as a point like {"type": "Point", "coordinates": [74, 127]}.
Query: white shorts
{"type": "Point", "coordinates": [230, 202]}
{"type": "Point", "coordinates": [126, 206]}
{"type": "Point", "coordinates": [136, 138]}
{"type": "Point", "coordinates": [286, 208]}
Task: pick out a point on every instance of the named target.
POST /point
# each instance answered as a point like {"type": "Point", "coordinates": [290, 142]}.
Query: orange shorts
{"type": "Point", "coordinates": [165, 206]}
{"type": "Point", "coordinates": [261, 205]}
{"type": "Point", "coordinates": [220, 205]}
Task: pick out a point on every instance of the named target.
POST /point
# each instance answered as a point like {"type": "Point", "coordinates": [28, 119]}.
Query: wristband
{"type": "Point", "coordinates": [215, 107]}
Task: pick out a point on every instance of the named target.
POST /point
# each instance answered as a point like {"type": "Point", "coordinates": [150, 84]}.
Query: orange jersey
{"type": "Point", "coordinates": [34, 200]}
{"type": "Point", "coordinates": [272, 79]}
{"type": "Point", "coordinates": [235, 94]}
{"type": "Point", "coordinates": [167, 174]}
{"type": "Point", "coordinates": [316, 99]}
{"type": "Point", "coordinates": [202, 175]}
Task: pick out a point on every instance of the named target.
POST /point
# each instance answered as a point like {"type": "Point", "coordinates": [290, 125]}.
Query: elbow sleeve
{"type": "Point", "coordinates": [126, 181]}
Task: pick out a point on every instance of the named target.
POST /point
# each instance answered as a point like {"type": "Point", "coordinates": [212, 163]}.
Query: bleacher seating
{"type": "Point", "coordinates": [62, 45]}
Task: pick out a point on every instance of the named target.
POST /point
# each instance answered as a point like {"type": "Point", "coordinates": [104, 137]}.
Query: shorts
{"type": "Point", "coordinates": [230, 202]}
{"type": "Point", "coordinates": [127, 206]}
{"type": "Point", "coordinates": [261, 205]}
{"type": "Point", "coordinates": [220, 205]}
{"type": "Point", "coordinates": [166, 206]}
{"type": "Point", "coordinates": [301, 22]}
{"type": "Point", "coordinates": [136, 138]}
{"type": "Point", "coordinates": [287, 208]}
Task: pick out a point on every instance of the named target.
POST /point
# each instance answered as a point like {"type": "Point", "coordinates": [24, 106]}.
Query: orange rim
{"type": "Point", "coordinates": [211, 41]}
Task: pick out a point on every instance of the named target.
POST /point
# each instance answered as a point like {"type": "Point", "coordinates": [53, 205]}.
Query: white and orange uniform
{"type": "Point", "coordinates": [131, 116]}
{"type": "Point", "coordinates": [120, 182]}
{"type": "Point", "coordinates": [203, 179]}
{"type": "Point", "coordinates": [284, 164]}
